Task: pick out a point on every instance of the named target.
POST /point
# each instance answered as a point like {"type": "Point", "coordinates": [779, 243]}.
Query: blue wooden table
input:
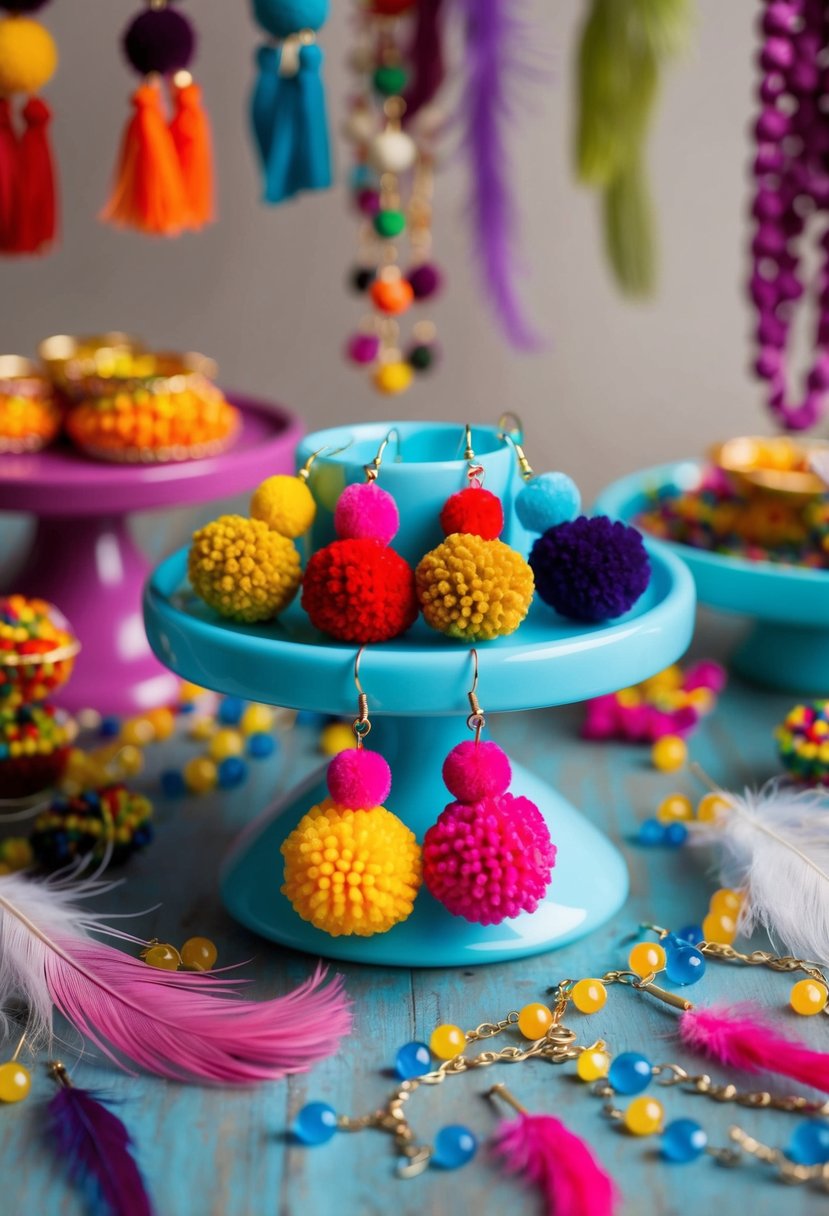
{"type": "Point", "coordinates": [226, 1152]}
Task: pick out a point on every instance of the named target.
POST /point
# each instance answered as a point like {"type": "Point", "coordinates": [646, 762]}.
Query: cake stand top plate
{"type": "Point", "coordinates": [765, 590]}
{"type": "Point", "coordinates": [61, 481]}
{"type": "Point", "coordinates": [548, 661]}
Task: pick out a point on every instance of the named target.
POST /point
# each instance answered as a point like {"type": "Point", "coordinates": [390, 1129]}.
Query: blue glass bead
{"type": "Point", "coordinates": [809, 1144]}
{"type": "Point", "coordinates": [173, 783]}
{"type": "Point", "coordinates": [683, 1140]}
{"type": "Point", "coordinates": [630, 1073]}
{"type": "Point", "coordinates": [230, 711]}
{"type": "Point", "coordinates": [412, 1060]}
{"type": "Point", "coordinates": [316, 1123]}
{"type": "Point", "coordinates": [110, 727]}
{"type": "Point", "coordinates": [261, 746]}
{"type": "Point", "coordinates": [675, 835]}
{"type": "Point", "coordinates": [454, 1146]}
{"type": "Point", "coordinates": [232, 772]}
{"type": "Point", "coordinates": [651, 831]}
{"type": "Point", "coordinates": [186, 707]}
{"type": "Point", "coordinates": [684, 965]}
{"type": "Point", "coordinates": [310, 717]}
{"type": "Point", "coordinates": [692, 934]}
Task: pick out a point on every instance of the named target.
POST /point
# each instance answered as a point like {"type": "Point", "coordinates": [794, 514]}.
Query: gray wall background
{"type": "Point", "coordinates": [619, 386]}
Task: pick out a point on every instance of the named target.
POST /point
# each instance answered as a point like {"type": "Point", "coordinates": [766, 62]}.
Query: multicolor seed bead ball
{"type": "Point", "coordinates": [34, 749]}
{"type": "Point", "coordinates": [88, 824]}
{"type": "Point", "coordinates": [803, 742]}
{"type": "Point", "coordinates": [32, 629]}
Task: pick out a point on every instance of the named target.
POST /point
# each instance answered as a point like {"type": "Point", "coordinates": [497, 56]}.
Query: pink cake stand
{"type": "Point", "coordinates": [83, 559]}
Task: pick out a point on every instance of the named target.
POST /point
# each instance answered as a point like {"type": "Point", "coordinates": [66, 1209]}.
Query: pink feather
{"type": "Point", "coordinates": [743, 1039]}
{"type": "Point", "coordinates": [559, 1163]}
{"type": "Point", "coordinates": [190, 1027]}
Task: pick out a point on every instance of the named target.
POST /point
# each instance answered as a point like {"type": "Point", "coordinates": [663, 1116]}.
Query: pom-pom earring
{"type": "Point", "coordinates": [371, 872]}
{"type": "Point", "coordinates": [489, 856]}
{"type": "Point", "coordinates": [546, 499]}
{"type": "Point", "coordinates": [357, 589]}
{"type": "Point", "coordinates": [28, 191]}
{"type": "Point", "coordinates": [473, 586]}
{"type": "Point", "coordinates": [164, 180]}
{"type": "Point", "coordinates": [290, 126]}
{"type": "Point", "coordinates": [590, 569]}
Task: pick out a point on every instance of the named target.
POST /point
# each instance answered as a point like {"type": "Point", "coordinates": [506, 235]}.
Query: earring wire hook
{"type": "Point", "coordinates": [361, 724]}
{"type": "Point", "coordinates": [373, 467]}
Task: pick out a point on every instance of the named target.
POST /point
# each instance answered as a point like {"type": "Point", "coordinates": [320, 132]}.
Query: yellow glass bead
{"type": "Point", "coordinates": [669, 753]}
{"type": "Point", "coordinates": [644, 1116]}
{"type": "Point", "coordinates": [162, 956]}
{"type": "Point", "coordinates": [712, 807]}
{"type": "Point", "coordinates": [199, 954]}
{"type": "Point", "coordinates": [130, 760]}
{"type": "Point", "coordinates": [646, 958]}
{"type": "Point", "coordinates": [391, 378]}
{"type": "Point", "coordinates": [447, 1041]}
{"type": "Point", "coordinates": [15, 1082]}
{"type": "Point", "coordinates": [257, 720]}
{"type": "Point", "coordinates": [589, 996]}
{"type": "Point", "coordinates": [629, 698]}
{"type": "Point", "coordinates": [163, 721]}
{"type": "Point", "coordinates": [719, 927]}
{"type": "Point", "coordinates": [138, 731]}
{"type": "Point", "coordinates": [726, 902]}
{"type": "Point", "coordinates": [336, 738]}
{"type": "Point", "coordinates": [202, 729]}
{"type": "Point", "coordinates": [808, 997]}
{"type": "Point", "coordinates": [226, 743]}
{"type": "Point", "coordinates": [200, 774]}
{"type": "Point", "coordinates": [592, 1065]}
{"type": "Point", "coordinates": [534, 1021]}
{"type": "Point", "coordinates": [190, 692]}
{"type": "Point", "coordinates": [676, 807]}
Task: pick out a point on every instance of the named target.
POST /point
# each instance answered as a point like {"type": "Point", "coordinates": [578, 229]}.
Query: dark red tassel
{"type": "Point", "coordinates": [9, 176]}
{"type": "Point", "coordinates": [37, 216]}
{"type": "Point", "coordinates": [427, 57]}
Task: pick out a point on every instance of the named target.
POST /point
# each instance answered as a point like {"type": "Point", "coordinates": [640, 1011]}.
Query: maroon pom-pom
{"type": "Point", "coordinates": [476, 770]}
{"type": "Point", "coordinates": [359, 779]}
{"type": "Point", "coordinates": [473, 510]}
{"type": "Point", "coordinates": [425, 280]}
{"type": "Point", "coordinates": [359, 591]}
{"type": "Point", "coordinates": [159, 40]}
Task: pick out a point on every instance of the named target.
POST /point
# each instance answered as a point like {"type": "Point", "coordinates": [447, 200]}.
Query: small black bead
{"type": "Point", "coordinates": [421, 357]}
{"type": "Point", "coordinates": [362, 278]}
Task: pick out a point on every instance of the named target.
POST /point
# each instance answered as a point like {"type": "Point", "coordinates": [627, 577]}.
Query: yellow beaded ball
{"type": "Point", "coordinates": [242, 569]}
{"type": "Point", "coordinates": [285, 504]}
{"type": "Point", "coordinates": [808, 997]}
{"type": "Point", "coordinates": [592, 1065]}
{"type": "Point", "coordinates": [644, 1116]}
{"type": "Point", "coordinates": [351, 871]}
{"type": "Point", "coordinates": [447, 1041]}
{"type": "Point", "coordinates": [28, 55]}
{"type": "Point", "coordinates": [534, 1021]}
{"type": "Point", "coordinates": [15, 1082]}
{"type": "Point", "coordinates": [589, 996]}
{"type": "Point", "coordinates": [474, 589]}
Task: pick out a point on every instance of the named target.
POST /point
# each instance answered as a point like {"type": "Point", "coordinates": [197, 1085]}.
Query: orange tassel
{"type": "Point", "coordinates": [148, 194]}
{"type": "Point", "coordinates": [9, 179]}
{"type": "Point", "coordinates": [190, 129]}
{"type": "Point", "coordinates": [37, 218]}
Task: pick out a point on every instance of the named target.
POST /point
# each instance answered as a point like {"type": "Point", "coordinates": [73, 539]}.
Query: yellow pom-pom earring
{"type": "Point", "coordinates": [285, 502]}
{"type": "Point", "coordinates": [351, 866]}
{"type": "Point", "coordinates": [28, 194]}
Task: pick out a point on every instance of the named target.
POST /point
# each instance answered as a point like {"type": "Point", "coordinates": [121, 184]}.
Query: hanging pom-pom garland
{"type": "Point", "coordinates": [28, 191]}
{"type": "Point", "coordinates": [392, 186]}
{"type": "Point", "coordinates": [288, 114]}
{"type": "Point", "coordinates": [164, 180]}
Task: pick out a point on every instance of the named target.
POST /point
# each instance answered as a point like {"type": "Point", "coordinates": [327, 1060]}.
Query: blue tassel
{"type": "Point", "coordinates": [263, 102]}
{"type": "Point", "coordinates": [313, 151]}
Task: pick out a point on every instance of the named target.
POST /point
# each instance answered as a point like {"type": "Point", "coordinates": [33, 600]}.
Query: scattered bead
{"type": "Point", "coordinates": [684, 965]}
{"type": "Point", "coordinates": [455, 1145]}
{"type": "Point", "coordinates": [230, 711]}
{"type": "Point", "coordinates": [199, 954]}
{"type": "Point", "coordinates": [261, 746]}
{"type": "Point", "coordinates": [675, 835]}
{"type": "Point", "coordinates": [232, 773]}
{"type": "Point", "coordinates": [669, 753]}
{"type": "Point", "coordinates": [256, 719]}
{"type": "Point", "coordinates": [726, 902]}
{"type": "Point", "coordinates": [315, 1123]}
{"type": "Point", "coordinates": [534, 1021]}
{"type": "Point", "coordinates": [644, 1116]}
{"type": "Point", "coordinates": [683, 1140]}
{"type": "Point", "coordinates": [692, 934]}
{"type": "Point", "coordinates": [809, 1143]}
{"type": "Point", "coordinates": [201, 774]}
{"type": "Point", "coordinates": [163, 722]}
{"type": "Point", "coordinates": [711, 807]}
{"type": "Point", "coordinates": [336, 738]}
{"type": "Point", "coordinates": [646, 958]}
{"type": "Point", "coordinates": [589, 995]}
{"type": "Point", "coordinates": [592, 1065]}
{"type": "Point", "coordinates": [162, 956]}
{"type": "Point", "coordinates": [138, 732]}
{"type": "Point", "coordinates": [15, 1082]}
{"type": "Point", "coordinates": [447, 1041]}
{"type": "Point", "coordinates": [675, 807]}
{"type": "Point", "coordinates": [651, 832]}
{"type": "Point", "coordinates": [808, 997]}
{"type": "Point", "coordinates": [130, 760]}
{"type": "Point", "coordinates": [630, 1073]}
{"type": "Point", "coordinates": [173, 784]}
{"type": "Point", "coordinates": [719, 927]}
{"type": "Point", "coordinates": [203, 729]}
{"type": "Point", "coordinates": [226, 743]}
{"type": "Point", "coordinates": [412, 1060]}
{"type": "Point", "coordinates": [110, 727]}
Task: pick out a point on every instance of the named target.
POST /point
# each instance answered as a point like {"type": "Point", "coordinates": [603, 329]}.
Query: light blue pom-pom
{"type": "Point", "coordinates": [547, 500]}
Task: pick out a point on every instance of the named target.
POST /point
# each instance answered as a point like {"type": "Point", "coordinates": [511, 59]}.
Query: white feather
{"type": "Point", "coordinates": [775, 844]}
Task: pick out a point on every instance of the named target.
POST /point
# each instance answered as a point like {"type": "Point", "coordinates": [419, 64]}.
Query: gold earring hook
{"type": "Point", "coordinates": [373, 467]}
{"type": "Point", "coordinates": [361, 724]}
{"type": "Point", "coordinates": [510, 416]}
{"type": "Point", "coordinates": [477, 719]}
{"type": "Point", "coordinates": [476, 471]}
{"type": "Point", "coordinates": [305, 471]}
{"type": "Point", "coordinates": [524, 465]}
{"type": "Point", "coordinates": [500, 1091]}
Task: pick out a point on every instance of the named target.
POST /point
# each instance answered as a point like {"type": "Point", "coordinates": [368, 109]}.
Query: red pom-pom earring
{"type": "Point", "coordinates": [357, 589]}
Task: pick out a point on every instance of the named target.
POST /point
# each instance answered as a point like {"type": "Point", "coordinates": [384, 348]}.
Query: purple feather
{"type": "Point", "coordinates": [96, 1147]}
{"type": "Point", "coordinates": [493, 33]}
{"type": "Point", "coordinates": [426, 55]}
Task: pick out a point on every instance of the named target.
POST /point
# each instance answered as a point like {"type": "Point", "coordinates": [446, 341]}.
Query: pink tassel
{"type": "Point", "coordinates": [742, 1039]}
{"type": "Point", "coordinates": [558, 1163]}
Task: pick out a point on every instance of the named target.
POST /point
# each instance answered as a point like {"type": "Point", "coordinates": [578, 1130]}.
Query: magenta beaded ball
{"type": "Point", "coordinates": [476, 770]}
{"type": "Point", "coordinates": [489, 860]}
{"type": "Point", "coordinates": [365, 512]}
{"type": "Point", "coordinates": [359, 780]}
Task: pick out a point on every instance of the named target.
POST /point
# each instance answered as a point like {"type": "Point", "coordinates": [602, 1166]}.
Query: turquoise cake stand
{"type": "Point", "coordinates": [788, 645]}
{"type": "Point", "coordinates": [417, 688]}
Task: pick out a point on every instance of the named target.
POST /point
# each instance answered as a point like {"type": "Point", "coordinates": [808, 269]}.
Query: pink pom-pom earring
{"type": "Point", "coordinates": [489, 857]}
